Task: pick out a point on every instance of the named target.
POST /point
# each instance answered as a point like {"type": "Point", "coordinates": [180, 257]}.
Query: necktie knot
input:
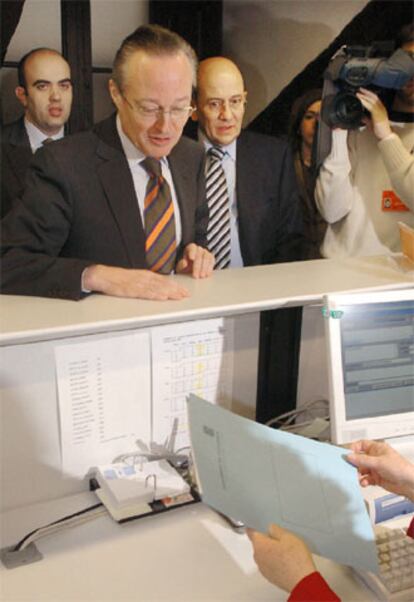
{"type": "Point", "coordinates": [152, 167]}
{"type": "Point", "coordinates": [47, 141]}
{"type": "Point", "coordinates": [215, 152]}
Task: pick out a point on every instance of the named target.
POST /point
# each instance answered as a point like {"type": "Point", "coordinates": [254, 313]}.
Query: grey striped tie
{"type": "Point", "coordinates": [218, 230]}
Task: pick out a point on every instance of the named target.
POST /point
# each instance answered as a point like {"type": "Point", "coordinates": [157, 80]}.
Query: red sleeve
{"type": "Point", "coordinates": [410, 530]}
{"type": "Point", "coordinates": [313, 588]}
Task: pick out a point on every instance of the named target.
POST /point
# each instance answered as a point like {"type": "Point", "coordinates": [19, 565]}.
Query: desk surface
{"type": "Point", "coordinates": [27, 319]}
{"type": "Point", "coordinates": [186, 555]}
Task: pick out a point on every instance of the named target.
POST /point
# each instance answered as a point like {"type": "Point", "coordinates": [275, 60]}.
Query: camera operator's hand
{"type": "Point", "coordinates": [379, 121]}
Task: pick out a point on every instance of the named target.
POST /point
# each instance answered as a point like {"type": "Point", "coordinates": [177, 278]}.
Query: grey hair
{"type": "Point", "coordinates": [155, 40]}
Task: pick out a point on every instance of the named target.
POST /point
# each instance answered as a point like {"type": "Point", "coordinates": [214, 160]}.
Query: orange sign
{"type": "Point", "coordinates": [391, 202]}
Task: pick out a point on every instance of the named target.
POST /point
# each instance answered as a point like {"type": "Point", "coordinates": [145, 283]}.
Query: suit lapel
{"type": "Point", "coordinates": [19, 150]}
{"type": "Point", "coordinates": [245, 184]}
{"type": "Point", "coordinates": [182, 187]}
{"type": "Point", "coordinates": [117, 183]}
{"type": "Point", "coordinates": [247, 196]}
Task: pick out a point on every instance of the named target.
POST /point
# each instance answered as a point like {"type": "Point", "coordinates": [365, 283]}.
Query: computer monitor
{"type": "Point", "coordinates": [370, 343]}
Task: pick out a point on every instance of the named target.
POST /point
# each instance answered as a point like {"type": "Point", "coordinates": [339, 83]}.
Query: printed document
{"type": "Point", "coordinates": [260, 475]}
{"type": "Point", "coordinates": [191, 357]}
{"type": "Point", "coordinates": [104, 390]}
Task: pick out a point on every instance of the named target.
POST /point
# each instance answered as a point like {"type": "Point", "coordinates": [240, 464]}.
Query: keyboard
{"type": "Point", "coordinates": [395, 581]}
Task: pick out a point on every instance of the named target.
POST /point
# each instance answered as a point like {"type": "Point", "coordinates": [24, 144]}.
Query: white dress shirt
{"type": "Point", "coordinates": [37, 137]}
{"type": "Point", "coordinates": [140, 177]}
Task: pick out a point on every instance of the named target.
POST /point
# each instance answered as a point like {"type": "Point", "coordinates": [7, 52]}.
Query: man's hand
{"type": "Point", "coordinates": [282, 558]}
{"type": "Point", "coordinates": [196, 261]}
{"type": "Point", "coordinates": [379, 464]}
{"type": "Point", "coordinates": [139, 284]}
{"type": "Point", "coordinates": [379, 121]}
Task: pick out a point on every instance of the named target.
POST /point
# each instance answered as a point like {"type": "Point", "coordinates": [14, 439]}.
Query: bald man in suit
{"type": "Point", "coordinates": [265, 217]}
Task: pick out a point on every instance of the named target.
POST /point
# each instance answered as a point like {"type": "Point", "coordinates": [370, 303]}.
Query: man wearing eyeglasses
{"type": "Point", "coordinates": [258, 219]}
{"type": "Point", "coordinates": [117, 209]}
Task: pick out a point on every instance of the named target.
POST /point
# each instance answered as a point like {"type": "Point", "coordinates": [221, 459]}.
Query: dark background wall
{"type": "Point", "coordinates": [379, 20]}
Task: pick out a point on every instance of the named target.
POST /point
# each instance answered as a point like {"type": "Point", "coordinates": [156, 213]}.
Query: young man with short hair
{"type": "Point", "coordinates": [45, 92]}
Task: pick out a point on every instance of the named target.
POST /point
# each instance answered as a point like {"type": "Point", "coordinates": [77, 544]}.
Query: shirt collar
{"type": "Point", "coordinates": [229, 149]}
{"type": "Point", "coordinates": [36, 136]}
{"type": "Point", "coordinates": [133, 154]}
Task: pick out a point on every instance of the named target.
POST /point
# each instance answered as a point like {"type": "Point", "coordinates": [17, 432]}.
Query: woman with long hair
{"type": "Point", "coordinates": [302, 130]}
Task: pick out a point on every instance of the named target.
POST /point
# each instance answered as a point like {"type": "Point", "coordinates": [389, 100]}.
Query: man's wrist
{"type": "Point", "coordinates": [88, 277]}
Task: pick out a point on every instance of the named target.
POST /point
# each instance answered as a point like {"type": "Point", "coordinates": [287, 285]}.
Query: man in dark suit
{"type": "Point", "coordinates": [265, 218]}
{"type": "Point", "coordinates": [45, 92]}
{"type": "Point", "coordinates": [81, 225]}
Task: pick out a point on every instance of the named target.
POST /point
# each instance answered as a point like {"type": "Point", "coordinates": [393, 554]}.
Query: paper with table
{"type": "Point", "coordinates": [191, 357]}
{"type": "Point", "coordinates": [261, 475]}
{"type": "Point", "coordinates": [127, 393]}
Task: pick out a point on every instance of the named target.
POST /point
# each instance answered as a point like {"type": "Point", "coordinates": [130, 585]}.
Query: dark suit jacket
{"type": "Point", "coordinates": [16, 155]}
{"type": "Point", "coordinates": [79, 208]}
{"type": "Point", "coordinates": [270, 219]}
{"type": "Point", "coordinates": [269, 214]}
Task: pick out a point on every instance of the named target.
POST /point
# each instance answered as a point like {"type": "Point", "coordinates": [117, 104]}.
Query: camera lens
{"type": "Point", "coordinates": [348, 110]}
{"type": "Point", "coordinates": [342, 110]}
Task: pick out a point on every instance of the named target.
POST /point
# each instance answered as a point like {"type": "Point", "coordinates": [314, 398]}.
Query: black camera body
{"type": "Point", "coordinates": [375, 67]}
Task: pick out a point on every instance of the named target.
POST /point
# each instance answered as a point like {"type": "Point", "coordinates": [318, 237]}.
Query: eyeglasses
{"type": "Point", "coordinates": [151, 113]}
{"type": "Point", "coordinates": [217, 105]}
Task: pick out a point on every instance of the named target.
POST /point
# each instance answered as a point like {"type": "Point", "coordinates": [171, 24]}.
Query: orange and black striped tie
{"type": "Point", "coordinates": [161, 244]}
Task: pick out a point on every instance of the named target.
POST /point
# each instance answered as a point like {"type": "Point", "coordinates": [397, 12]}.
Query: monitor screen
{"type": "Point", "coordinates": [371, 364]}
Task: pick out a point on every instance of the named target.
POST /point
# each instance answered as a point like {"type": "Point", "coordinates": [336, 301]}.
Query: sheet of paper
{"type": "Point", "coordinates": [104, 399]}
{"type": "Point", "coordinates": [192, 357]}
{"type": "Point", "coordinates": [260, 475]}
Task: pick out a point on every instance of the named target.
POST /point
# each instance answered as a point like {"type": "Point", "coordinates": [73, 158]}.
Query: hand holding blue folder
{"type": "Point", "coordinates": [259, 475]}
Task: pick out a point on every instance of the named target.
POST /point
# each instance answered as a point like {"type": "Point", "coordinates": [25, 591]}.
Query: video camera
{"type": "Point", "coordinates": [375, 67]}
